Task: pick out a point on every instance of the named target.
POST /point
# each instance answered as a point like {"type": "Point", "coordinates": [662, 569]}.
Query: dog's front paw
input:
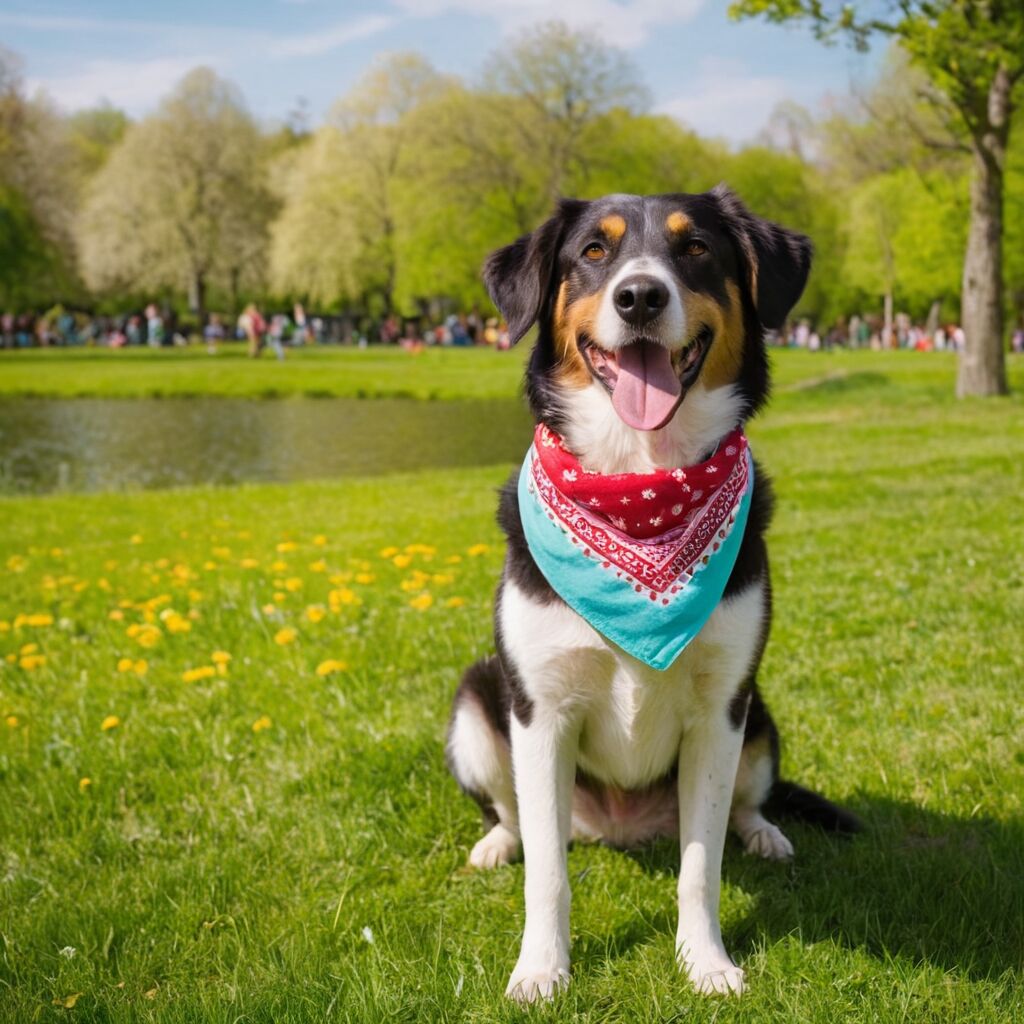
{"type": "Point", "coordinates": [769, 842]}
{"type": "Point", "coordinates": [499, 846]}
{"type": "Point", "coordinates": [710, 971]}
{"type": "Point", "coordinates": [534, 979]}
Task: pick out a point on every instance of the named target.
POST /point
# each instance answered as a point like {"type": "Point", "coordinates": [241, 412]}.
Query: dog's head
{"type": "Point", "coordinates": [649, 298]}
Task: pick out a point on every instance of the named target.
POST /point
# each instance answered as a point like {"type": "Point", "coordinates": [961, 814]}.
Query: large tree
{"type": "Point", "coordinates": [180, 197]}
{"type": "Point", "coordinates": [973, 54]}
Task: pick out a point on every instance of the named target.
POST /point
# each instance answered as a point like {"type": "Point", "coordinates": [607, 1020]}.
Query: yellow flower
{"type": "Point", "coordinates": [209, 566]}
{"type": "Point", "coordinates": [141, 667]}
{"type": "Point", "coordinates": [285, 636]}
{"type": "Point", "coordinates": [336, 598]}
{"type": "Point", "coordinates": [17, 563]}
{"type": "Point", "coordinates": [278, 566]}
{"type": "Point", "coordinates": [29, 648]}
{"type": "Point", "coordinates": [31, 661]}
{"type": "Point", "coordinates": [10, 658]}
{"type": "Point", "coordinates": [148, 636]}
{"type": "Point", "coordinates": [442, 578]}
{"type": "Point", "coordinates": [315, 613]}
{"type": "Point", "coordinates": [455, 602]}
{"type": "Point", "coordinates": [292, 584]}
{"type": "Point", "coordinates": [250, 563]}
{"type": "Point", "coordinates": [193, 675]}
{"type": "Point", "coordinates": [320, 540]}
{"type": "Point", "coordinates": [269, 609]}
{"type": "Point", "coordinates": [220, 657]}
{"type": "Point", "coordinates": [261, 723]}
{"type": "Point", "coordinates": [330, 666]}
{"type": "Point", "coordinates": [136, 538]}
{"type": "Point", "coordinates": [421, 549]}
{"type": "Point", "coordinates": [478, 549]}
{"type": "Point", "coordinates": [318, 566]}
{"type": "Point", "coordinates": [222, 553]}
{"type": "Point", "coordinates": [110, 722]}
{"type": "Point", "coordinates": [5, 626]}
{"type": "Point", "coordinates": [415, 581]}
{"type": "Point", "coordinates": [280, 595]}
{"type": "Point", "coordinates": [116, 615]}
{"type": "Point", "coordinates": [33, 619]}
{"type": "Point", "coordinates": [84, 784]}
{"type": "Point", "coordinates": [402, 561]}
{"type": "Point", "coordinates": [125, 664]}
{"type": "Point", "coordinates": [286, 545]}
{"type": "Point", "coordinates": [388, 552]}
{"type": "Point", "coordinates": [422, 603]}
{"type": "Point", "coordinates": [12, 721]}
{"type": "Point", "coordinates": [364, 577]}
{"type": "Point", "coordinates": [338, 578]}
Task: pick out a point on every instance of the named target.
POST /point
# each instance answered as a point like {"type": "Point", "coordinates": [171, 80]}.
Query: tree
{"type": "Point", "coordinates": [973, 54]}
{"type": "Point", "coordinates": [180, 197]}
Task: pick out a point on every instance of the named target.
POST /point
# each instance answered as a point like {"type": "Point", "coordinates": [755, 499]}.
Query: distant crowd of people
{"type": "Point", "coordinates": [155, 327]}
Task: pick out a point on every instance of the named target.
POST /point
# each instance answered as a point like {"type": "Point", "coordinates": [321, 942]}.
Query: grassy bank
{"type": "Point", "coordinates": [384, 372]}
{"type": "Point", "coordinates": [272, 836]}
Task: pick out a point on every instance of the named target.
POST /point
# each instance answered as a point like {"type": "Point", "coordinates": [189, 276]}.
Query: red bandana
{"type": "Point", "coordinates": [640, 505]}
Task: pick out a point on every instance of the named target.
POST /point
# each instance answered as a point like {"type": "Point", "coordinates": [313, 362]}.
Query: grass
{"type": "Point", "coordinates": [317, 371]}
{"type": "Point", "coordinates": [270, 844]}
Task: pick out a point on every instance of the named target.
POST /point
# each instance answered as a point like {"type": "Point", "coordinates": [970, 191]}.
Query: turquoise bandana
{"type": "Point", "coordinates": [643, 557]}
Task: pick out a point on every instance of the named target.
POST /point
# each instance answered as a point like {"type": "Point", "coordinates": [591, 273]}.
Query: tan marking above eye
{"type": "Point", "coordinates": [613, 226]}
{"type": "Point", "coordinates": [677, 222]}
{"type": "Point", "coordinates": [594, 251]}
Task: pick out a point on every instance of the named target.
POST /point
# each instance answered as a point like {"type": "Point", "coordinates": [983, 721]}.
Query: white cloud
{"type": "Point", "coordinates": [726, 101]}
{"type": "Point", "coordinates": [133, 85]}
{"type": "Point", "coordinates": [627, 23]}
{"type": "Point", "coordinates": [311, 44]}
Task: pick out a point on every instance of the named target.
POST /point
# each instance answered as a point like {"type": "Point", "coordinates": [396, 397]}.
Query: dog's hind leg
{"type": "Point", "coordinates": [757, 772]}
{"type": "Point", "coordinates": [480, 758]}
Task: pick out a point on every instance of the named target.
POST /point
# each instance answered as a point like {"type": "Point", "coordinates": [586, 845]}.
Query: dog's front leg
{"type": "Point", "coordinates": [544, 763]}
{"type": "Point", "coordinates": [708, 759]}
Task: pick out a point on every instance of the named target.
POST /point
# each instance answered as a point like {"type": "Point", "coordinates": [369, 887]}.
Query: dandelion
{"type": "Point", "coordinates": [12, 721]}
{"type": "Point", "coordinates": [285, 636]}
{"type": "Point", "coordinates": [292, 584]}
{"type": "Point", "coordinates": [421, 549]}
{"type": "Point", "coordinates": [422, 603]}
{"type": "Point", "coordinates": [194, 675]}
{"type": "Point", "coordinates": [125, 664]}
{"type": "Point", "coordinates": [220, 657]}
{"type": "Point", "coordinates": [29, 648]}
{"type": "Point", "coordinates": [5, 626]}
{"type": "Point", "coordinates": [278, 566]}
{"type": "Point", "coordinates": [455, 602]}
{"type": "Point", "coordinates": [261, 723]}
{"type": "Point", "coordinates": [33, 619]}
{"type": "Point", "coordinates": [364, 577]}
{"type": "Point", "coordinates": [269, 609]}
{"type": "Point", "coordinates": [478, 549]}
{"type": "Point", "coordinates": [343, 596]}
{"type": "Point", "coordinates": [453, 559]}
{"type": "Point", "coordinates": [280, 595]}
{"type": "Point", "coordinates": [442, 578]}
{"type": "Point", "coordinates": [388, 552]}
{"type": "Point", "coordinates": [136, 538]}
{"type": "Point", "coordinates": [140, 667]}
{"type": "Point", "coordinates": [222, 553]}
{"type": "Point", "coordinates": [330, 666]}
{"type": "Point", "coordinates": [176, 623]}
{"type": "Point", "coordinates": [401, 561]}
{"type": "Point", "coordinates": [320, 540]}
{"type": "Point", "coordinates": [32, 661]}
{"type": "Point", "coordinates": [110, 722]}
{"type": "Point", "coordinates": [250, 563]}
{"type": "Point", "coordinates": [318, 566]}
{"type": "Point", "coordinates": [286, 545]}
{"type": "Point", "coordinates": [84, 784]}
{"type": "Point", "coordinates": [315, 613]}
{"type": "Point", "coordinates": [210, 566]}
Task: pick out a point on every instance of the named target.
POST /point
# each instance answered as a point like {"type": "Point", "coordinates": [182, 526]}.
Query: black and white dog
{"type": "Point", "coordinates": [563, 733]}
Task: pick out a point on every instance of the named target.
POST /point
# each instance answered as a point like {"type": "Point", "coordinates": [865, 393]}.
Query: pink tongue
{"type": "Point", "coordinates": [647, 390]}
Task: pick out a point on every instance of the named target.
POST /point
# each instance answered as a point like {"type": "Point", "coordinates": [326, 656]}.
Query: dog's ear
{"type": "Point", "coordinates": [520, 277]}
{"type": "Point", "coordinates": [777, 260]}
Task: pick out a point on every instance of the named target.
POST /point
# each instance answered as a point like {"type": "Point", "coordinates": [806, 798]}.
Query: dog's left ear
{"type": "Point", "coordinates": [520, 277]}
{"type": "Point", "coordinates": [777, 260]}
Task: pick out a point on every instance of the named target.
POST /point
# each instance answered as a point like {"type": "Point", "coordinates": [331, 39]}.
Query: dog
{"type": "Point", "coordinates": [617, 708]}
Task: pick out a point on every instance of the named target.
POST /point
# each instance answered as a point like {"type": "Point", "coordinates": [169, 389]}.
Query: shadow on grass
{"type": "Point", "coordinates": [840, 383]}
{"type": "Point", "coordinates": [937, 889]}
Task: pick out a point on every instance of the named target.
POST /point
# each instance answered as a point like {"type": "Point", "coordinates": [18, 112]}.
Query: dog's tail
{"type": "Point", "coordinates": [790, 800]}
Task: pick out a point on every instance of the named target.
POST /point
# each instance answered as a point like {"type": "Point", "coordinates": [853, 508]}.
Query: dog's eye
{"type": "Point", "coordinates": [695, 248]}
{"type": "Point", "coordinates": [594, 251]}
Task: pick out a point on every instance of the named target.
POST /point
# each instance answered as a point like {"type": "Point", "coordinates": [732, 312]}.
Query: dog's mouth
{"type": "Point", "coordinates": [646, 381]}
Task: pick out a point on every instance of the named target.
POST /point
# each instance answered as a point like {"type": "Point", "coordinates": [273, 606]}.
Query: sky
{"type": "Point", "coordinates": [719, 77]}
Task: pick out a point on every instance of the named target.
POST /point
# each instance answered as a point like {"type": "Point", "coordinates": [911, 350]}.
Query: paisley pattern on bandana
{"type": "Point", "coordinates": [643, 557]}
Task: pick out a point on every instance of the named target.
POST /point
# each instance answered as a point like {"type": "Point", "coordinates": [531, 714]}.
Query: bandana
{"type": "Point", "coordinates": [643, 557]}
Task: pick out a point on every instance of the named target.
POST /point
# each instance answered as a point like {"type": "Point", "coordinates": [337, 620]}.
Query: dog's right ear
{"type": "Point", "coordinates": [520, 277]}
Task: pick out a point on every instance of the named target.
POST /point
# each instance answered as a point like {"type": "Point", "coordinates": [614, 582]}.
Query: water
{"type": "Point", "coordinates": [99, 444]}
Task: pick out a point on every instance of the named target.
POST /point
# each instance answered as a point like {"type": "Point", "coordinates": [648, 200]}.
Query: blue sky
{"type": "Point", "coordinates": [719, 77]}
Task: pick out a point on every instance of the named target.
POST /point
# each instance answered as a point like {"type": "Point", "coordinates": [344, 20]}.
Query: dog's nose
{"type": "Point", "coordinates": [640, 299]}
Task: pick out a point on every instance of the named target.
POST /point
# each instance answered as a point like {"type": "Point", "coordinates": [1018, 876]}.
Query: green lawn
{"type": "Point", "coordinates": [270, 844]}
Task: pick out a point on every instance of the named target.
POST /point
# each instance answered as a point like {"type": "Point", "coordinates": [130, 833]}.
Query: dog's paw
{"type": "Point", "coordinates": [537, 977]}
{"type": "Point", "coordinates": [768, 842]}
{"type": "Point", "coordinates": [711, 970]}
{"type": "Point", "coordinates": [499, 846]}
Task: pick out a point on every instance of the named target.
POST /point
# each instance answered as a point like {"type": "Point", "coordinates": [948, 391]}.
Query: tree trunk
{"type": "Point", "coordinates": [197, 297]}
{"type": "Point", "coordinates": [887, 331]}
{"type": "Point", "coordinates": [982, 369]}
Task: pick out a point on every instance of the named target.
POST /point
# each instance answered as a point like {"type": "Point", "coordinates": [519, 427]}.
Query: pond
{"type": "Point", "coordinates": [99, 444]}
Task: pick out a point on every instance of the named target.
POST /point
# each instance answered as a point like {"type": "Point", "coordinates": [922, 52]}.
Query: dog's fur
{"type": "Point", "coordinates": [562, 734]}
